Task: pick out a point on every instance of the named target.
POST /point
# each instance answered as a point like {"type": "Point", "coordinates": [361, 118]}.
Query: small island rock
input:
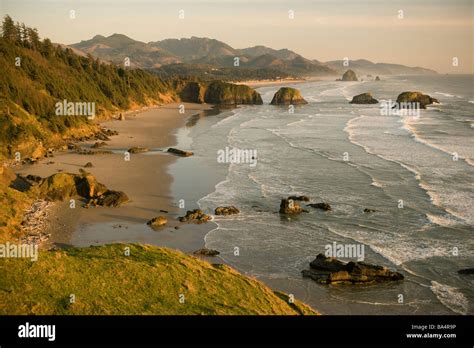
{"type": "Point", "coordinates": [180, 152]}
{"type": "Point", "coordinates": [288, 96]}
{"type": "Point", "coordinates": [329, 270]}
{"type": "Point", "coordinates": [231, 210]}
{"type": "Point", "coordinates": [349, 75]}
{"type": "Point", "coordinates": [290, 207]}
{"type": "Point", "coordinates": [137, 149]}
{"type": "Point", "coordinates": [299, 198]}
{"type": "Point", "coordinates": [322, 206]}
{"type": "Point", "coordinates": [196, 216]}
{"type": "Point", "coordinates": [206, 252]}
{"type": "Point", "coordinates": [364, 98]}
{"type": "Point", "coordinates": [416, 97]}
{"type": "Point", "coordinates": [158, 221]}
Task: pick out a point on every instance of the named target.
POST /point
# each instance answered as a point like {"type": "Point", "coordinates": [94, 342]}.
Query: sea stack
{"type": "Point", "coordinates": [223, 93]}
{"type": "Point", "coordinates": [329, 270]}
{"type": "Point", "coordinates": [364, 98]}
{"type": "Point", "coordinates": [349, 75]}
{"type": "Point", "coordinates": [288, 96]}
{"type": "Point", "coordinates": [416, 97]}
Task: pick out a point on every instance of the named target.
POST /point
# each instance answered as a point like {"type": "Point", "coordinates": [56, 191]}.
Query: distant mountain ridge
{"type": "Point", "coordinates": [200, 51]}
{"type": "Point", "coordinates": [364, 66]}
{"type": "Point", "coordinates": [118, 47]}
{"type": "Point", "coordinates": [272, 63]}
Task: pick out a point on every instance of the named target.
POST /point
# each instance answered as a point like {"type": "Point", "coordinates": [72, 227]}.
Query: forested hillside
{"type": "Point", "coordinates": [37, 74]}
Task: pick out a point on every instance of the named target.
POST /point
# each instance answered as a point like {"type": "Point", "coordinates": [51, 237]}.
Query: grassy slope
{"type": "Point", "coordinates": [12, 205]}
{"type": "Point", "coordinates": [149, 281]}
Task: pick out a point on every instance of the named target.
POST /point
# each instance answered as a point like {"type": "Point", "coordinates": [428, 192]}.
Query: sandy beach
{"type": "Point", "coordinates": [265, 83]}
{"type": "Point", "coordinates": [144, 178]}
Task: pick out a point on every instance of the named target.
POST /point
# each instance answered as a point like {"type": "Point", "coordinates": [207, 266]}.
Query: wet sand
{"type": "Point", "coordinates": [144, 178]}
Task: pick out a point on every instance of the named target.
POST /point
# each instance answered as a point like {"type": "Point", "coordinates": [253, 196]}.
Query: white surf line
{"type": "Point", "coordinates": [415, 135]}
{"type": "Point", "coordinates": [435, 200]}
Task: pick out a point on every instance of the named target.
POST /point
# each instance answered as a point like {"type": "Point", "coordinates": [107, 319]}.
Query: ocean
{"type": "Point", "coordinates": [416, 172]}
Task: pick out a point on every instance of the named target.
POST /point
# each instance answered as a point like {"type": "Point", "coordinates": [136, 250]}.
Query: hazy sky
{"type": "Point", "coordinates": [431, 33]}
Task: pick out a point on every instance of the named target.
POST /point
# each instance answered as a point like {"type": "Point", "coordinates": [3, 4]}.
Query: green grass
{"type": "Point", "coordinates": [12, 205]}
{"type": "Point", "coordinates": [149, 281]}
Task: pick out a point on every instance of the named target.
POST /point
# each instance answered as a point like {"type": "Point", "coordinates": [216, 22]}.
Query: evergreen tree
{"type": "Point", "coordinates": [18, 34]}
{"type": "Point", "coordinates": [47, 48]}
{"type": "Point", "coordinates": [33, 38]}
{"type": "Point", "coordinates": [23, 34]}
{"type": "Point", "coordinates": [9, 31]}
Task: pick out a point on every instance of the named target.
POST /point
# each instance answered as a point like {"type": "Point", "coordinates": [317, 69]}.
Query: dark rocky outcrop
{"type": "Point", "coordinates": [62, 186]}
{"type": "Point", "coordinates": [288, 96]}
{"type": "Point", "coordinates": [137, 149]}
{"type": "Point", "coordinates": [88, 186]}
{"type": "Point", "coordinates": [466, 271]}
{"type": "Point", "coordinates": [322, 206]}
{"type": "Point", "coordinates": [108, 132]}
{"type": "Point", "coordinates": [158, 221]}
{"type": "Point", "coordinates": [327, 263]}
{"type": "Point", "coordinates": [299, 198]}
{"type": "Point", "coordinates": [329, 270]}
{"type": "Point", "coordinates": [88, 165]}
{"type": "Point", "coordinates": [196, 216]}
{"type": "Point", "coordinates": [364, 98]}
{"type": "Point", "coordinates": [416, 97]}
{"type": "Point", "coordinates": [193, 92]}
{"type": "Point", "coordinates": [230, 210]}
{"type": "Point", "coordinates": [58, 187]}
{"type": "Point", "coordinates": [223, 93]}
{"type": "Point", "coordinates": [290, 207]}
{"type": "Point", "coordinates": [72, 146]}
{"type": "Point", "coordinates": [377, 78]}
{"type": "Point", "coordinates": [34, 179]}
{"type": "Point", "coordinates": [349, 75]}
{"type": "Point", "coordinates": [180, 152]}
{"type": "Point", "coordinates": [98, 144]}
{"type": "Point", "coordinates": [111, 199]}
{"type": "Point", "coordinates": [369, 210]}
{"type": "Point", "coordinates": [218, 92]}
{"type": "Point", "coordinates": [82, 151]}
{"type": "Point", "coordinates": [206, 252]}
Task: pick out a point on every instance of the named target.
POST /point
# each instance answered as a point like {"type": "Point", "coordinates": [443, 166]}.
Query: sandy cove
{"type": "Point", "coordinates": [145, 179]}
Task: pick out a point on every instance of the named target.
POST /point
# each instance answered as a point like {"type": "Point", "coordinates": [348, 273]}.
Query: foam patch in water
{"type": "Point", "coordinates": [451, 297]}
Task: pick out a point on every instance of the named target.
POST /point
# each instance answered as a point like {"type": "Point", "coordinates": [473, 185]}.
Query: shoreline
{"type": "Point", "coordinates": [268, 83]}
{"type": "Point", "coordinates": [145, 179]}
